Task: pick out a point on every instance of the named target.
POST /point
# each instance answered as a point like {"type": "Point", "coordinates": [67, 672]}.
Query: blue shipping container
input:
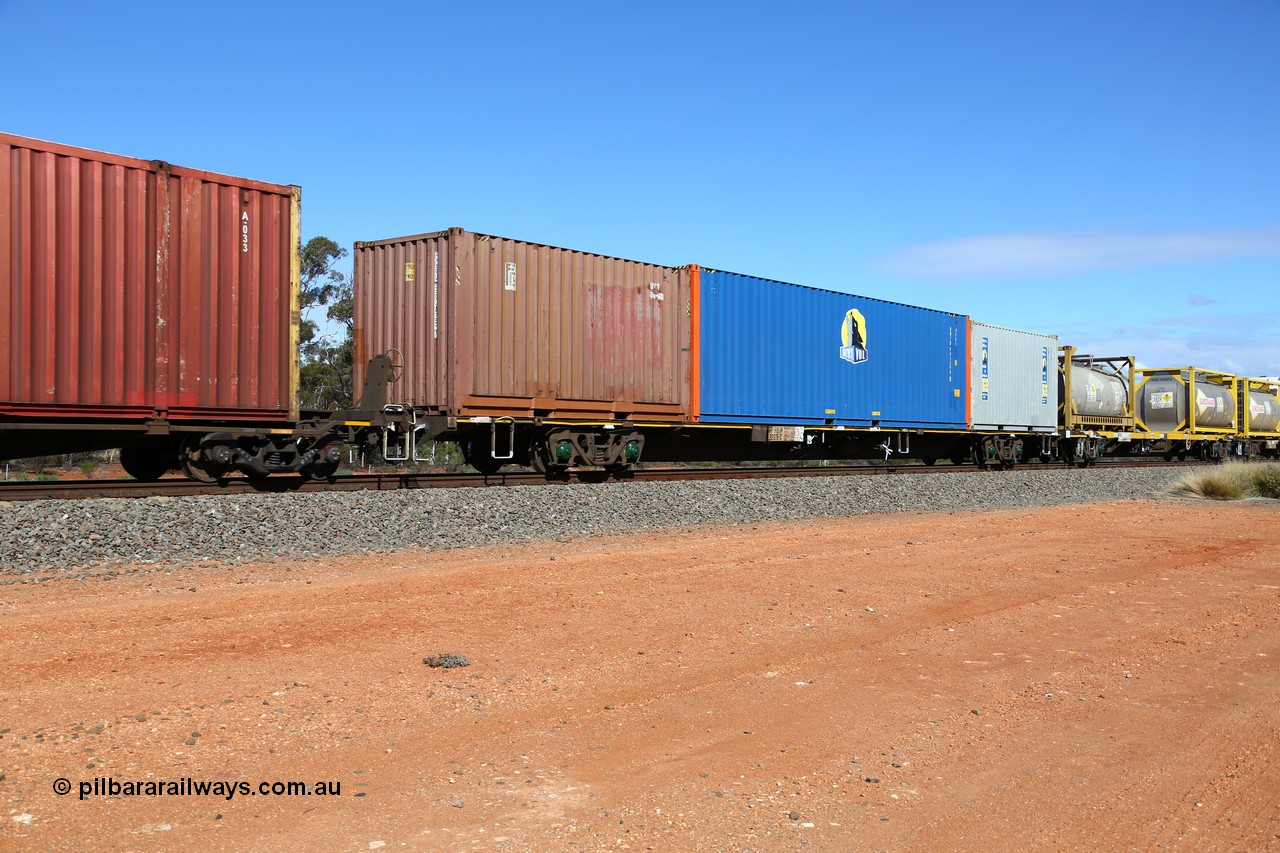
{"type": "Point", "coordinates": [779, 353]}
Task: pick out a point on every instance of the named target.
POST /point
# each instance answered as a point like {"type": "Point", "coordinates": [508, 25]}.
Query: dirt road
{"type": "Point", "coordinates": [1097, 677]}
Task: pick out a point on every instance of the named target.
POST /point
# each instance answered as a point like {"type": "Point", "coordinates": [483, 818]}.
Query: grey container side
{"type": "Point", "coordinates": [1013, 376]}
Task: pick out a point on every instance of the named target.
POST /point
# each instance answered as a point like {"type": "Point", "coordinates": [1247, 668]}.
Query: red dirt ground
{"type": "Point", "coordinates": [1097, 677]}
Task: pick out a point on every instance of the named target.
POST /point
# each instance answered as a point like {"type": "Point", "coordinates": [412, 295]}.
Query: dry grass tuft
{"type": "Point", "coordinates": [1232, 482]}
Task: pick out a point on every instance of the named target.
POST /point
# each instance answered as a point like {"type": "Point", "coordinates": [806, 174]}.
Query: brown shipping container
{"type": "Point", "coordinates": [135, 289]}
{"type": "Point", "coordinates": [487, 326]}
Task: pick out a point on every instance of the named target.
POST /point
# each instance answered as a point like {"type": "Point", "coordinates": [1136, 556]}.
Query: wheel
{"type": "Point", "coordinates": [480, 459]}
{"type": "Point", "coordinates": [148, 461]}
{"type": "Point", "coordinates": [929, 460]}
{"type": "Point", "coordinates": [537, 453]}
{"type": "Point", "coordinates": [194, 465]}
{"type": "Point", "coordinates": [322, 471]}
{"type": "Point", "coordinates": [324, 468]}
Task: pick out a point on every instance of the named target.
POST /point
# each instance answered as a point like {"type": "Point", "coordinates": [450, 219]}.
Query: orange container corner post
{"type": "Point", "coordinates": [695, 342]}
{"type": "Point", "coordinates": [968, 370]}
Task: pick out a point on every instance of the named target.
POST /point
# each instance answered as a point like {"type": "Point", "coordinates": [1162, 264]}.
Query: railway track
{"type": "Point", "coordinates": [28, 490]}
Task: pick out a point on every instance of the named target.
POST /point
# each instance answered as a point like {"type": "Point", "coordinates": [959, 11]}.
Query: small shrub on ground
{"type": "Point", "coordinates": [1232, 482]}
{"type": "Point", "coordinates": [447, 661]}
{"type": "Point", "coordinates": [1267, 480]}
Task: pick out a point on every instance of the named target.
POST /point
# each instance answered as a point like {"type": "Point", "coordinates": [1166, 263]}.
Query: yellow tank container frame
{"type": "Point", "coordinates": [1074, 417]}
{"type": "Point", "coordinates": [1258, 401]}
{"type": "Point", "coordinates": [1208, 404]}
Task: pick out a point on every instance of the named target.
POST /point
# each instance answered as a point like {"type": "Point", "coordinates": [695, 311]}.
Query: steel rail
{"type": "Point", "coordinates": [28, 490]}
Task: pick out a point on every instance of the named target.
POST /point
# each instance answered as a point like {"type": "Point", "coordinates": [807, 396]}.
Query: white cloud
{"type": "Point", "coordinates": [1046, 253]}
{"type": "Point", "coordinates": [1241, 344]}
{"type": "Point", "coordinates": [1198, 300]}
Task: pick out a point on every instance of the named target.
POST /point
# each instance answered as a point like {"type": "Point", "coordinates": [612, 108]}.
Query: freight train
{"type": "Point", "coordinates": [154, 309]}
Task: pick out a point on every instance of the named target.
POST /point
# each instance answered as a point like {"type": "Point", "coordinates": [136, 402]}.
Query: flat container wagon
{"type": "Point", "coordinates": [135, 290]}
{"type": "Point", "coordinates": [492, 327]}
{"type": "Point", "coordinates": [1014, 381]}
{"type": "Point", "coordinates": [771, 352]}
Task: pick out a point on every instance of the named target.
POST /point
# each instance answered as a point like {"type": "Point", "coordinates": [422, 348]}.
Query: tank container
{"type": "Point", "coordinates": [1163, 403]}
{"type": "Point", "coordinates": [1262, 410]}
{"type": "Point", "coordinates": [1097, 394]}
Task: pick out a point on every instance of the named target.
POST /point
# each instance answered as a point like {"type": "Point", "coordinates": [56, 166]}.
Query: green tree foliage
{"type": "Point", "coordinates": [326, 358]}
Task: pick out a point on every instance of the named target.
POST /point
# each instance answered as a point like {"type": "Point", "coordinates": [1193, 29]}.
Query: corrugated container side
{"type": "Point", "coordinates": [491, 326]}
{"type": "Point", "coordinates": [406, 294]}
{"type": "Point", "coordinates": [1014, 379]}
{"type": "Point", "coordinates": [130, 288]}
{"type": "Point", "coordinates": [773, 352]}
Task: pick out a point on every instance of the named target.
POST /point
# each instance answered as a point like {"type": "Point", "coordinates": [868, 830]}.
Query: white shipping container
{"type": "Point", "coordinates": [1013, 379]}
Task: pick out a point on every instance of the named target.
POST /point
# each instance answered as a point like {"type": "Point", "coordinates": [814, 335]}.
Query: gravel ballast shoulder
{"type": "Point", "coordinates": [81, 538]}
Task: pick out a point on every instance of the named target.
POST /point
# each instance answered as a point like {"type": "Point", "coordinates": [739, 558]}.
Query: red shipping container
{"type": "Point", "coordinates": [134, 289]}
{"type": "Point", "coordinates": [487, 326]}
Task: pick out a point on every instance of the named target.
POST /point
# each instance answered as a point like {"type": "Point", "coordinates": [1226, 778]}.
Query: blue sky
{"type": "Point", "coordinates": [1107, 172]}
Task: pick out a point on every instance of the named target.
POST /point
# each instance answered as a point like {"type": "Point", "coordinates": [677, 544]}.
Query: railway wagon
{"type": "Point", "coordinates": [523, 352]}
{"type": "Point", "coordinates": [1097, 408]}
{"type": "Point", "coordinates": [152, 308]}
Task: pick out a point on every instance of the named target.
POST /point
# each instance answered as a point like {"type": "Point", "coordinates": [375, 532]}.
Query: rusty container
{"type": "Point", "coordinates": [135, 289]}
{"type": "Point", "coordinates": [493, 327]}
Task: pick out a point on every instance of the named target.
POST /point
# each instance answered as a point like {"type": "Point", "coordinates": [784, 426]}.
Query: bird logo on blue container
{"type": "Point", "coordinates": [853, 334]}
